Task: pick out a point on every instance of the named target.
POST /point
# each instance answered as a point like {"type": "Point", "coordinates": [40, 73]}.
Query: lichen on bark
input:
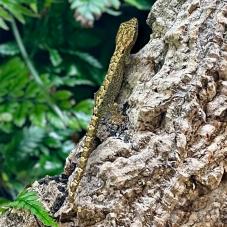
{"type": "Point", "coordinates": [167, 165]}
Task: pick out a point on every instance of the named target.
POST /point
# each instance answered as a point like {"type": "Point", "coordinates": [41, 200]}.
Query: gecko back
{"type": "Point", "coordinates": [106, 95]}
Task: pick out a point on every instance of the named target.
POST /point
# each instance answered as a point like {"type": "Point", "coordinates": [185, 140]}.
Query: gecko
{"type": "Point", "coordinates": [106, 95]}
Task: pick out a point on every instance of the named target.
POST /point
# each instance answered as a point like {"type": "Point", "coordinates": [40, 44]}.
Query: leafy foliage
{"type": "Point", "coordinates": [140, 4]}
{"type": "Point", "coordinates": [29, 201]}
{"type": "Point", "coordinates": [71, 62]}
{"type": "Point", "coordinates": [27, 99]}
{"type": "Point", "coordinates": [87, 11]}
{"type": "Point", "coordinates": [29, 128]}
{"type": "Point", "coordinates": [9, 49]}
{"type": "Point", "coordinates": [17, 9]}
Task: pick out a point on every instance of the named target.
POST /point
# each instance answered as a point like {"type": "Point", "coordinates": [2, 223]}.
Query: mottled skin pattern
{"type": "Point", "coordinates": [106, 95]}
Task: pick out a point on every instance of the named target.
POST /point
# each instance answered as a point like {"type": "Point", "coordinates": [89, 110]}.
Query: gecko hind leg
{"type": "Point", "coordinates": [116, 115]}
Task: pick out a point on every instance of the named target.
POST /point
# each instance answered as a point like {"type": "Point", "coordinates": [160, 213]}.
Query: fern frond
{"type": "Point", "coordinates": [86, 11]}
{"type": "Point", "coordinates": [29, 201]}
{"type": "Point", "coordinates": [17, 9]}
{"type": "Point", "coordinates": [31, 139]}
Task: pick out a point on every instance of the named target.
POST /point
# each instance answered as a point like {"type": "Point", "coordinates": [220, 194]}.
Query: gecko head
{"type": "Point", "coordinates": [127, 34]}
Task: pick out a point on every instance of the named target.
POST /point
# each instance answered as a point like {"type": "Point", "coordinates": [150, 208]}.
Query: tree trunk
{"type": "Point", "coordinates": [165, 166]}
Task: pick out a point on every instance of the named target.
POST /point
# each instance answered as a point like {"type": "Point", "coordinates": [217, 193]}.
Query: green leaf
{"type": "Point", "coordinates": [75, 4]}
{"type": "Point", "coordinates": [18, 9]}
{"type": "Point", "coordinates": [52, 142]}
{"type": "Point", "coordinates": [18, 84]}
{"type": "Point", "coordinates": [66, 104]}
{"type": "Point", "coordinates": [25, 11]}
{"type": "Point", "coordinates": [31, 139]}
{"type": "Point", "coordinates": [72, 70]}
{"type": "Point", "coordinates": [113, 12]}
{"type": "Point", "coordinates": [55, 136]}
{"type": "Point", "coordinates": [29, 201]}
{"type": "Point", "coordinates": [83, 112]}
{"type": "Point", "coordinates": [3, 209]}
{"type": "Point", "coordinates": [33, 6]}
{"type": "Point", "coordinates": [4, 14]}
{"type": "Point", "coordinates": [77, 81]}
{"type": "Point", "coordinates": [96, 10]}
{"type": "Point", "coordinates": [3, 25]}
{"type": "Point", "coordinates": [83, 118]}
{"type": "Point", "coordinates": [20, 115]}
{"type": "Point", "coordinates": [11, 70]}
{"type": "Point", "coordinates": [6, 117]}
{"type": "Point", "coordinates": [116, 4]}
{"type": "Point", "coordinates": [67, 148]}
{"type": "Point", "coordinates": [74, 124]}
{"type": "Point", "coordinates": [13, 9]}
{"type": "Point", "coordinates": [140, 4]}
{"type": "Point", "coordinates": [55, 57]}
{"type": "Point", "coordinates": [9, 49]}
{"type": "Point", "coordinates": [32, 90]}
{"type": "Point", "coordinates": [55, 121]}
{"type": "Point", "coordinates": [56, 81]}
{"type": "Point", "coordinates": [84, 10]}
{"type": "Point", "coordinates": [86, 57]}
{"type": "Point", "coordinates": [3, 201]}
{"type": "Point", "coordinates": [49, 164]}
{"type": "Point", "coordinates": [87, 11]}
{"type": "Point", "coordinates": [62, 95]}
{"type": "Point", "coordinates": [85, 106]}
{"type": "Point", "coordinates": [6, 127]}
{"type": "Point", "coordinates": [38, 117]}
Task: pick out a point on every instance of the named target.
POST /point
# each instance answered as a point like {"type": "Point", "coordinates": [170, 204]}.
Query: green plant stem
{"type": "Point", "coordinates": [34, 72]}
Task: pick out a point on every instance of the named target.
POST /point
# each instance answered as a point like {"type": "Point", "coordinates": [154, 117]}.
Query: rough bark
{"type": "Point", "coordinates": [167, 165]}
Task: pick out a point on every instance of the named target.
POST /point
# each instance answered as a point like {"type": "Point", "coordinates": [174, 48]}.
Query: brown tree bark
{"type": "Point", "coordinates": [166, 166]}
